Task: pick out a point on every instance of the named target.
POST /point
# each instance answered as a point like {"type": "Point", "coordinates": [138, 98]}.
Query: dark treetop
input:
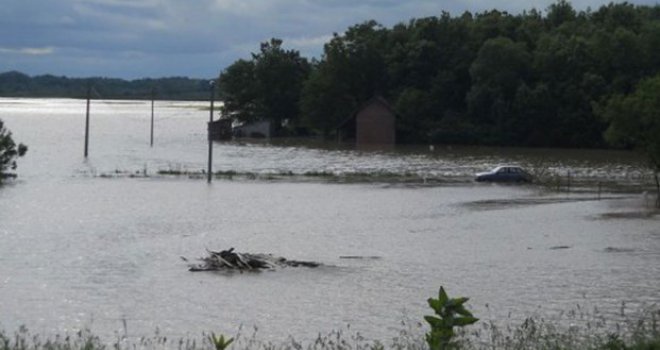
{"type": "Point", "coordinates": [533, 79]}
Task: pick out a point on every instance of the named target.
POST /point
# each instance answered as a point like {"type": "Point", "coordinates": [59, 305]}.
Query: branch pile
{"type": "Point", "coordinates": [230, 260]}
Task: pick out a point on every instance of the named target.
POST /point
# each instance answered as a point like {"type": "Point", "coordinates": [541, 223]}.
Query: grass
{"type": "Point", "coordinates": [544, 181]}
{"type": "Point", "coordinates": [576, 329]}
{"type": "Point", "coordinates": [322, 176]}
{"type": "Point", "coordinates": [572, 330]}
{"type": "Point", "coordinates": [326, 176]}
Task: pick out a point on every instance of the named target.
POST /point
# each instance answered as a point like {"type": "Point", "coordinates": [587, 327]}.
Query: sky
{"type": "Point", "coordinates": [134, 39]}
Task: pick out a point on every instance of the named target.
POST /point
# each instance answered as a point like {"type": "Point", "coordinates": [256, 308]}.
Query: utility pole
{"type": "Point", "coordinates": [89, 96]}
{"type": "Point", "coordinates": [153, 97]}
{"type": "Point", "coordinates": [210, 168]}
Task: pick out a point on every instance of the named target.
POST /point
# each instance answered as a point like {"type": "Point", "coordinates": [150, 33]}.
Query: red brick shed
{"type": "Point", "coordinates": [371, 124]}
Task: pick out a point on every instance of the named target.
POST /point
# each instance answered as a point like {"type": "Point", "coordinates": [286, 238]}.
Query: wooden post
{"type": "Point", "coordinates": [89, 95]}
{"type": "Point", "coordinates": [153, 96]}
{"type": "Point", "coordinates": [599, 189]}
{"type": "Point", "coordinates": [657, 189]}
{"type": "Point", "coordinates": [210, 166]}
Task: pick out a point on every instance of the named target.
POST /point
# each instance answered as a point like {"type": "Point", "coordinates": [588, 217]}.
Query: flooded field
{"type": "Point", "coordinates": [98, 243]}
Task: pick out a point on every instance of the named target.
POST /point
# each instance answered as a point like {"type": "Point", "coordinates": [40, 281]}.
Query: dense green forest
{"type": "Point", "coordinates": [539, 78]}
{"type": "Point", "coordinates": [16, 84]}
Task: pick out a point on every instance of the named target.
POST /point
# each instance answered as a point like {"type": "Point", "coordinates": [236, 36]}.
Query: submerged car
{"type": "Point", "coordinates": [507, 173]}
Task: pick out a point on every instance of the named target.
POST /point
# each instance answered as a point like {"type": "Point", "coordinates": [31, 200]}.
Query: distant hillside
{"type": "Point", "coordinates": [17, 84]}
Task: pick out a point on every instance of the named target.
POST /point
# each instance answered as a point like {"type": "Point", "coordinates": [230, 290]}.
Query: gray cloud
{"type": "Point", "coordinates": [138, 38]}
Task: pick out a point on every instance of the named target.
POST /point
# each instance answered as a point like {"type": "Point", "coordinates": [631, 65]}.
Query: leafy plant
{"type": "Point", "coordinates": [450, 313]}
{"type": "Point", "coordinates": [220, 343]}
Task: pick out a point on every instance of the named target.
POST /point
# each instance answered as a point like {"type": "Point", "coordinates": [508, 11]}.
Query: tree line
{"type": "Point", "coordinates": [17, 84]}
{"type": "Point", "coordinates": [539, 78]}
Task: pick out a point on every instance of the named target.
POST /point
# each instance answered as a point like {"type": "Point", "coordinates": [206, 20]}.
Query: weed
{"type": "Point", "coordinates": [220, 343]}
{"type": "Point", "coordinates": [451, 314]}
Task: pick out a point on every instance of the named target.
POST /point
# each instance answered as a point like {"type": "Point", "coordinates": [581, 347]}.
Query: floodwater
{"type": "Point", "coordinates": [84, 245]}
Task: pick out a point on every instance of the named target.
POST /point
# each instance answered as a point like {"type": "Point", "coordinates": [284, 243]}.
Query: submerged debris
{"type": "Point", "coordinates": [230, 260]}
{"type": "Point", "coordinates": [618, 250]}
{"type": "Point", "coordinates": [646, 214]}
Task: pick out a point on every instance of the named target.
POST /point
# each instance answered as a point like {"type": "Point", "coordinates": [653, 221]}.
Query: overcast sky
{"type": "Point", "coordinates": [196, 38]}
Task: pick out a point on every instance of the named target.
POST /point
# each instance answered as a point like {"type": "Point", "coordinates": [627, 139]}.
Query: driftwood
{"type": "Point", "coordinates": [230, 260]}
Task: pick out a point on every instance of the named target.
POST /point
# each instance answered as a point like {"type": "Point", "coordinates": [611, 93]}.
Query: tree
{"type": "Point", "coordinates": [532, 121]}
{"type": "Point", "coordinates": [9, 151]}
{"type": "Point", "coordinates": [351, 71]}
{"type": "Point", "coordinates": [489, 78]}
{"type": "Point", "coordinates": [559, 13]}
{"type": "Point", "coordinates": [635, 123]}
{"type": "Point", "coordinates": [568, 66]}
{"type": "Point", "coordinates": [325, 101]}
{"type": "Point", "coordinates": [16, 84]}
{"type": "Point", "coordinates": [499, 69]}
{"type": "Point", "coordinates": [414, 116]}
{"type": "Point", "coordinates": [279, 75]}
{"type": "Point", "coordinates": [239, 91]}
{"type": "Point", "coordinates": [267, 87]}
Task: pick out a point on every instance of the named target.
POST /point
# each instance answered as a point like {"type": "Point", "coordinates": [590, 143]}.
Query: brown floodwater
{"type": "Point", "coordinates": [83, 244]}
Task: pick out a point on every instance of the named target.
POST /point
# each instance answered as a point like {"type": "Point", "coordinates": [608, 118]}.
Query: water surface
{"type": "Point", "coordinates": [81, 250]}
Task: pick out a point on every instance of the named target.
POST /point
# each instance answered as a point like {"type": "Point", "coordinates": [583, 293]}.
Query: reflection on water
{"type": "Point", "coordinates": [119, 142]}
{"type": "Point", "coordinates": [78, 250]}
